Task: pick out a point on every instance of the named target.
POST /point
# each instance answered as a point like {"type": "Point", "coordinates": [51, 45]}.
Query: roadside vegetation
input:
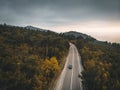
{"type": "Point", "coordinates": [29, 59]}
{"type": "Point", "coordinates": [102, 67]}
{"type": "Point", "coordinates": [101, 62]}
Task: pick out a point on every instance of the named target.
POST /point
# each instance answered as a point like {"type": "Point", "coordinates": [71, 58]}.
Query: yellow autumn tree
{"type": "Point", "coordinates": [55, 67]}
{"type": "Point", "coordinates": [50, 67]}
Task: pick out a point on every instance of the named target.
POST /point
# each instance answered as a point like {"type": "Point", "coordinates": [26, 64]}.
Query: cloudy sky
{"type": "Point", "coordinates": [98, 18]}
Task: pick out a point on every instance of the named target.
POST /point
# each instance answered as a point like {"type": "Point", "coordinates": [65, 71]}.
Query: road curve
{"type": "Point", "coordinates": [69, 80]}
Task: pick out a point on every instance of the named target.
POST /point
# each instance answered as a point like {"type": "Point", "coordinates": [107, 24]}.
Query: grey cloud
{"type": "Point", "coordinates": [57, 11]}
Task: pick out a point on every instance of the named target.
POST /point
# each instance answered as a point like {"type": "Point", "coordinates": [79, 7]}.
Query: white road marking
{"type": "Point", "coordinates": [72, 69]}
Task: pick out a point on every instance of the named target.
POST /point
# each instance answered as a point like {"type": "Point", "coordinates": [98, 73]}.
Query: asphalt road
{"type": "Point", "coordinates": [69, 79]}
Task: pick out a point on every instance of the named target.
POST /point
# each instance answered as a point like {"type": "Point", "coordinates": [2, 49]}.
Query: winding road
{"type": "Point", "coordinates": [69, 80]}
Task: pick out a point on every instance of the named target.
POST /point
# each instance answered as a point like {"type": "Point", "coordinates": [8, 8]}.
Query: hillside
{"type": "Point", "coordinates": [78, 34]}
{"type": "Point", "coordinates": [29, 59]}
{"type": "Point", "coordinates": [32, 59]}
{"type": "Point", "coordinates": [35, 28]}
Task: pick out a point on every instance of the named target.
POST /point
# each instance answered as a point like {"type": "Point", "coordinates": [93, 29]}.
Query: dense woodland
{"type": "Point", "coordinates": [29, 59]}
{"type": "Point", "coordinates": [32, 59]}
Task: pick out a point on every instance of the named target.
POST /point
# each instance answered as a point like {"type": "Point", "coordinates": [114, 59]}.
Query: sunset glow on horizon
{"type": "Point", "coordinates": [104, 31]}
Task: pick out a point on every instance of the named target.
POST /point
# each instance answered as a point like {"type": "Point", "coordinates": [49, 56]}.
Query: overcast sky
{"type": "Point", "coordinates": [98, 18]}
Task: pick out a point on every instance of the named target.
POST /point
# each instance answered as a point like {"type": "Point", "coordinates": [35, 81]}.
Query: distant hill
{"type": "Point", "coordinates": [73, 33]}
{"type": "Point", "coordinates": [70, 34]}
{"type": "Point", "coordinates": [78, 34]}
{"type": "Point", "coordinates": [35, 28]}
{"type": "Point", "coordinates": [88, 38]}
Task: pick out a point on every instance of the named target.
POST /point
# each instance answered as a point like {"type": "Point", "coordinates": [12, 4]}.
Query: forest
{"type": "Point", "coordinates": [33, 59]}
{"type": "Point", "coordinates": [30, 59]}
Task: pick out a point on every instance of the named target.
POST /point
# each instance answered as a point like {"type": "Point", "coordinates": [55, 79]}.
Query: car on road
{"type": "Point", "coordinates": [70, 66]}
